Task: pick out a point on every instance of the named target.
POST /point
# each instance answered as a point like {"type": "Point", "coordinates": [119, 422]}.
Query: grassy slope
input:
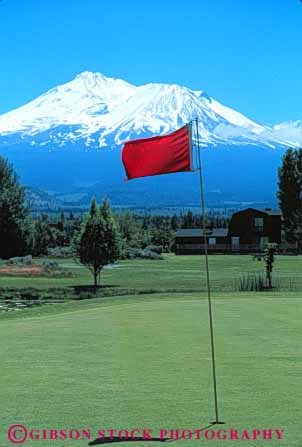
{"type": "Point", "coordinates": [145, 362]}
{"type": "Point", "coordinates": [175, 273]}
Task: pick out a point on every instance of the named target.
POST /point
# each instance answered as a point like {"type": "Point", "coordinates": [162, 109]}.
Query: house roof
{"type": "Point", "coordinates": [268, 211]}
{"type": "Point", "coordinates": [198, 232]}
{"type": "Point", "coordinates": [274, 213]}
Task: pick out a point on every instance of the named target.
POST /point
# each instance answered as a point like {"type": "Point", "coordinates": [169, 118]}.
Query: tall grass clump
{"type": "Point", "coordinates": [254, 282]}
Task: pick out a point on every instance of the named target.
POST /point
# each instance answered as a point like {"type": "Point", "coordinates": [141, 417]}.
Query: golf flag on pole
{"type": "Point", "coordinates": [159, 155]}
{"type": "Point", "coordinates": [165, 155]}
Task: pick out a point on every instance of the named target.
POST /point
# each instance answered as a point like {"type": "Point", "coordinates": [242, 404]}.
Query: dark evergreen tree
{"type": "Point", "coordinates": [162, 235]}
{"type": "Point", "coordinates": [126, 225]}
{"type": "Point", "coordinates": [42, 236]}
{"type": "Point", "coordinates": [188, 220]}
{"type": "Point", "coordinates": [99, 241]}
{"type": "Point", "coordinates": [15, 225]}
{"type": "Point", "coordinates": [174, 222]}
{"type": "Point", "coordinates": [290, 195]}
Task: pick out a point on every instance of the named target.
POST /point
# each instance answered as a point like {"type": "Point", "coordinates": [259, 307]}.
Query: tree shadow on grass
{"type": "Point", "coordinates": [113, 439]}
{"type": "Point", "coordinates": [83, 291]}
{"type": "Point", "coordinates": [80, 289]}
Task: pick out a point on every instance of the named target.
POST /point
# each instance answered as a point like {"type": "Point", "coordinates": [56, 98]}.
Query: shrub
{"type": "Point", "coordinates": [31, 294]}
{"type": "Point", "coordinates": [148, 254]}
{"type": "Point", "coordinates": [60, 252]}
{"type": "Point", "coordinates": [54, 270]}
{"type": "Point", "coordinates": [21, 260]}
{"type": "Point", "coordinates": [155, 248]}
{"type": "Point", "coordinates": [134, 253]}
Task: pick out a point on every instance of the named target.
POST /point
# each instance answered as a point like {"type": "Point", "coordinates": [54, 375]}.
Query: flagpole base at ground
{"type": "Point", "coordinates": [217, 423]}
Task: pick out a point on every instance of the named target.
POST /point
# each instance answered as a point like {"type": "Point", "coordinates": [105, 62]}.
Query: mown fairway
{"type": "Point", "coordinates": [144, 361]}
{"type": "Point", "coordinates": [173, 274]}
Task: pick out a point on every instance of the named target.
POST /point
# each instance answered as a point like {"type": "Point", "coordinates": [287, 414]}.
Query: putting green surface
{"type": "Point", "coordinates": [145, 363]}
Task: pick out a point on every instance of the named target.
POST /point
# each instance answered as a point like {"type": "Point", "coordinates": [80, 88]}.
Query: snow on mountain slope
{"type": "Point", "coordinates": [161, 108]}
{"type": "Point", "coordinates": [291, 132]}
{"type": "Point", "coordinates": [76, 102]}
{"type": "Point", "coordinates": [105, 112]}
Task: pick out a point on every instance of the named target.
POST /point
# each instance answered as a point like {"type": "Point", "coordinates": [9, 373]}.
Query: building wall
{"type": "Point", "coordinates": [254, 229]}
{"type": "Point", "coordinates": [242, 224]}
{"type": "Point", "coordinates": [195, 245]}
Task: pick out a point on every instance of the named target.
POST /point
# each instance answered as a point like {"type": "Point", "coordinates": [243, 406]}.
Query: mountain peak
{"type": "Point", "coordinates": [91, 75]}
{"type": "Point", "coordinates": [103, 111]}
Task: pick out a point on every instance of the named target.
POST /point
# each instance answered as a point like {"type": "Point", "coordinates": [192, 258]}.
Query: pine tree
{"type": "Point", "coordinates": [174, 222]}
{"type": "Point", "coordinates": [42, 236]}
{"type": "Point", "coordinates": [290, 195]}
{"type": "Point", "coordinates": [15, 225]}
{"type": "Point", "coordinates": [188, 220]}
{"type": "Point", "coordinates": [98, 240]}
{"type": "Point", "coordinates": [129, 229]}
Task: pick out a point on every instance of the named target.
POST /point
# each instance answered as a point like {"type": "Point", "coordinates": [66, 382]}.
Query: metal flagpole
{"type": "Point", "coordinates": [204, 225]}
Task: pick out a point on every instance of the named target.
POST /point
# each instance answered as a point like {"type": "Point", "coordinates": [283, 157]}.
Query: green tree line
{"type": "Point", "coordinates": [101, 236]}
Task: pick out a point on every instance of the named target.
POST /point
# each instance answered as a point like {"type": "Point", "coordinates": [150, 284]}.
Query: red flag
{"type": "Point", "coordinates": [158, 155]}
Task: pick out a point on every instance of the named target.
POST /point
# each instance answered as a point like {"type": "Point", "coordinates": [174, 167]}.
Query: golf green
{"type": "Point", "coordinates": [145, 363]}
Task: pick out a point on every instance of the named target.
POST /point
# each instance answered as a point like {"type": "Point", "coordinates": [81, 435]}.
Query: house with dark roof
{"type": "Point", "coordinates": [249, 231]}
{"type": "Point", "coordinates": [191, 241]}
{"type": "Point", "coordinates": [255, 227]}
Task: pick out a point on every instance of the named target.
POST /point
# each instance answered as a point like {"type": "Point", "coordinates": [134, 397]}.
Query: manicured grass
{"type": "Point", "coordinates": [173, 274]}
{"type": "Point", "coordinates": [145, 362]}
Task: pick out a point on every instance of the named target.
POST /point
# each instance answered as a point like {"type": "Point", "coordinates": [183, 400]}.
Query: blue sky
{"type": "Point", "coordinates": [247, 54]}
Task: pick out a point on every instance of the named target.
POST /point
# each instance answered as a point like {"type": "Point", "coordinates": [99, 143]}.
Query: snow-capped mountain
{"type": "Point", "coordinates": [60, 143]}
{"type": "Point", "coordinates": [97, 111]}
{"type": "Point", "coordinates": [75, 103]}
